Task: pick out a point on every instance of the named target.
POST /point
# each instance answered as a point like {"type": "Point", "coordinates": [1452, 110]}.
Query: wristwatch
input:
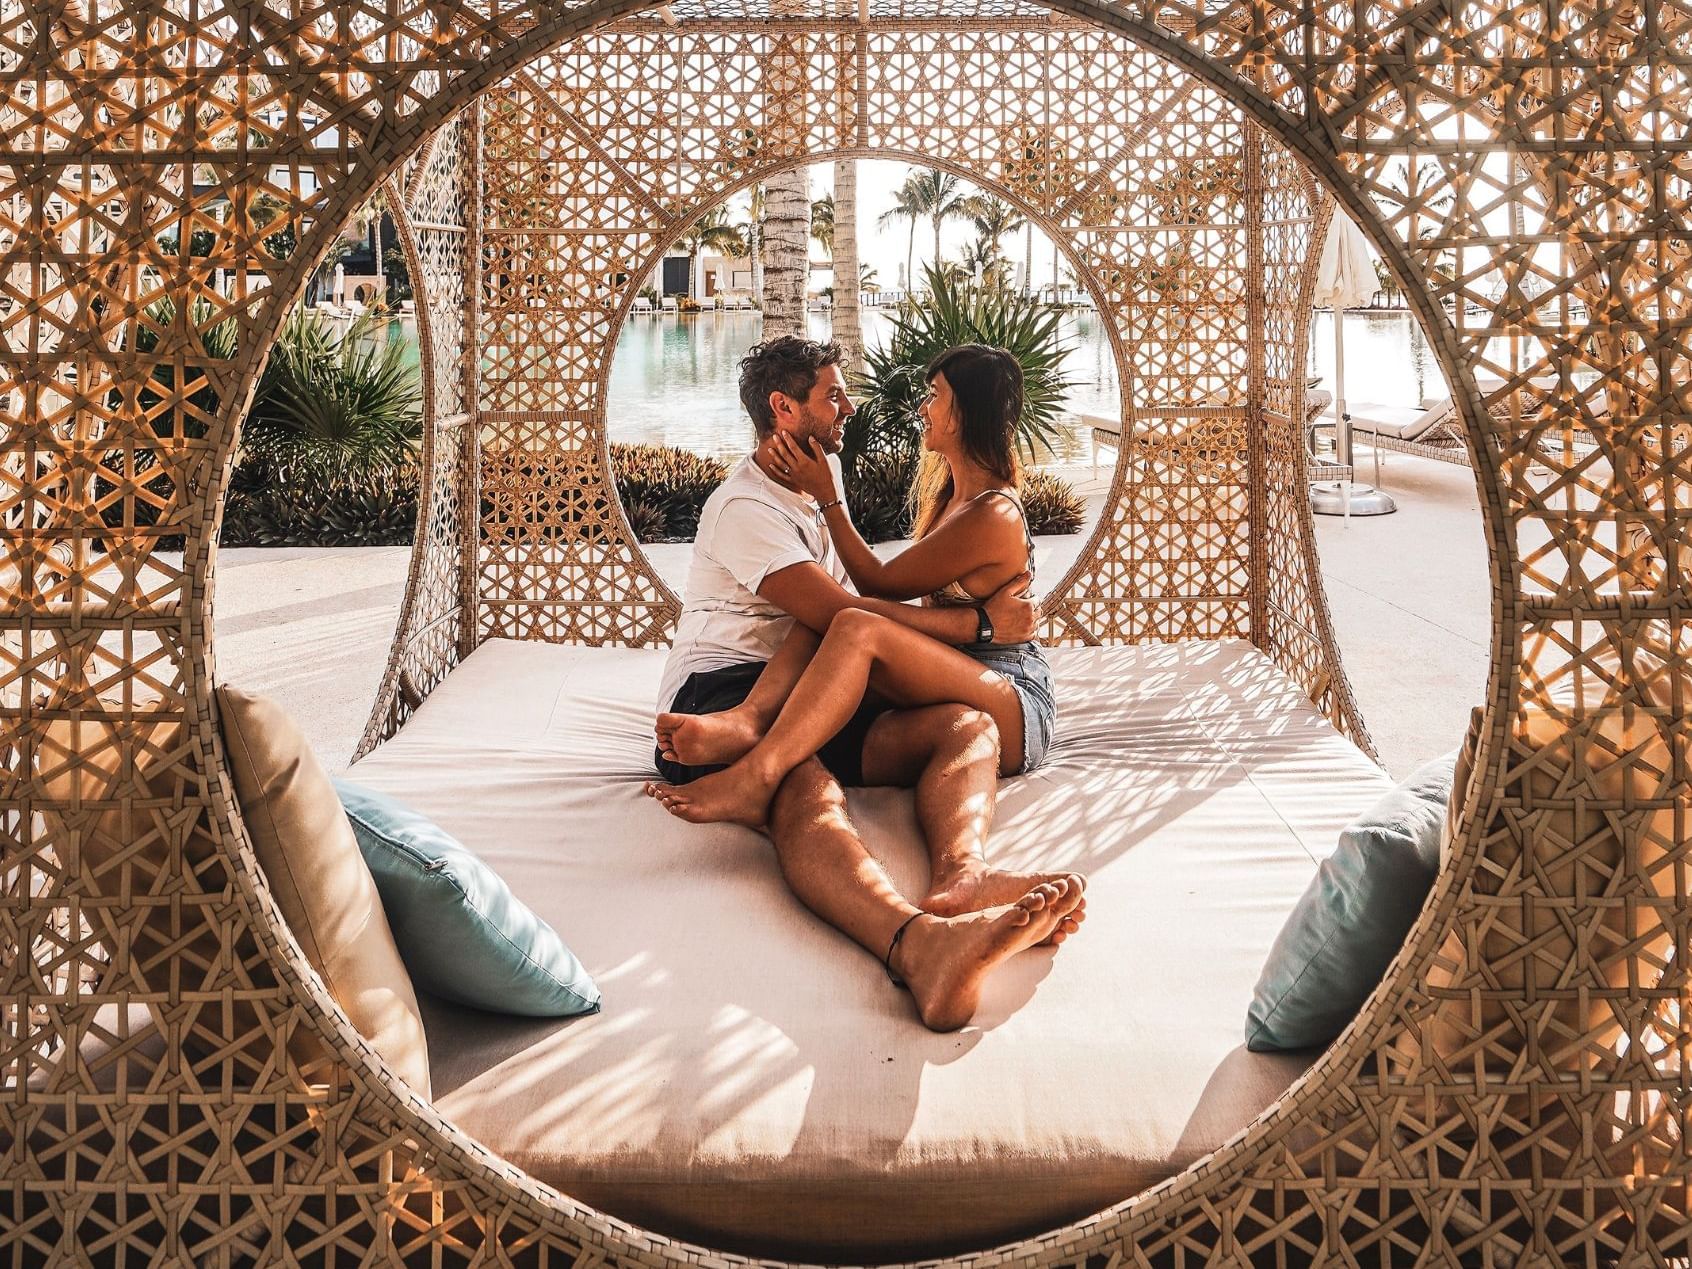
{"type": "Point", "coordinates": [983, 625]}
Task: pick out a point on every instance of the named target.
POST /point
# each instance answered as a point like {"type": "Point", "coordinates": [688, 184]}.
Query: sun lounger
{"type": "Point", "coordinates": [1436, 432]}
{"type": "Point", "coordinates": [641, 305]}
{"type": "Point", "coordinates": [668, 305]}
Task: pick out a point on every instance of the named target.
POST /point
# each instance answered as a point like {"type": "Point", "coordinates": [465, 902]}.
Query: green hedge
{"type": "Point", "coordinates": [663, 490]}
{"type": "Point", "coordinates": [311, 506]}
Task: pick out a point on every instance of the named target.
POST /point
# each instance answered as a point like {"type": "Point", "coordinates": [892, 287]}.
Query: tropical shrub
{"type": "Point", "coordinates": [883, 441]}
{"type": "Point", "coordinates": [878, 494]}
{"type": "Point", "coordinates": [647, 521]}
{"type": "Point", "coordinates": [319, 507]}
{"type": "Point", "coordinates": [341, 403]}
{"type": "Point", "coordinates": [880, 499]}
{"type": "Point", "coordinates": [893, 385]}
{"type": "Point", "coordinates": [329, 451]}
{"type": "Point", "coordinates": [663, 489]}
{"type": "Point", "coordinates": [1051, 504]}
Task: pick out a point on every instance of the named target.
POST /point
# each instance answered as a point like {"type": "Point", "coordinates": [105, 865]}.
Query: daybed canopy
{"type": "Point", "coordinates": [1514, 1089]}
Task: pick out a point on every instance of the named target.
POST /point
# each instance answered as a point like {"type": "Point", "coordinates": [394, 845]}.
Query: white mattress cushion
{"type": "Point", "coordinates": [754, 1081]}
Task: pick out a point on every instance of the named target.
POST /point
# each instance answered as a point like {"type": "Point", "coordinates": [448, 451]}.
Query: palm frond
{"type": "Point", "coordinates": [893, 384]}
{"type": "Point", "coordinates": [348, 401]}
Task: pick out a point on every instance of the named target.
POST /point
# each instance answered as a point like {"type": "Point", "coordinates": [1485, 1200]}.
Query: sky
{"type": "Point", "coordinates": [884, 249]}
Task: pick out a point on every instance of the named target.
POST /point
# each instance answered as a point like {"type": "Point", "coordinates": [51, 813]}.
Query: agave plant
{"type": "Point", "coordinates": [956, 312]}
{"type": "Point", "coordinates": [347, 402]}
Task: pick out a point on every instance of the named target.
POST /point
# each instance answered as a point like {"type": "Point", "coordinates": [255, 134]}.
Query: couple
{"type": "Point", "coordinates": [801, 686]}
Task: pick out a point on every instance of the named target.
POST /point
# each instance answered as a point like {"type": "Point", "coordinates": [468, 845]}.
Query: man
{"type": "Point", "coordinates": [762, 560]}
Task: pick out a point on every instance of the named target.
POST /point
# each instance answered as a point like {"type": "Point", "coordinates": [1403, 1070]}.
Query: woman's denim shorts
{"type": "Point", "coordinates": [1024, 664]}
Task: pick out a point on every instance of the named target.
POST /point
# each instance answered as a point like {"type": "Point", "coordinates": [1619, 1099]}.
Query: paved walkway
{"type": "Point", "coordinates": [1409, 592]}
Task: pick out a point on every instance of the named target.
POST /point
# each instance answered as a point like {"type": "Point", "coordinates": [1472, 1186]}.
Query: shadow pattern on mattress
{"type": "Point", "coordinates": [752, 1071]}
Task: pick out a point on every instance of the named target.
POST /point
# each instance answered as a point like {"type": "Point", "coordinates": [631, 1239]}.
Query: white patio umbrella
{"type": "Point", "coordinates": [1345, 278]}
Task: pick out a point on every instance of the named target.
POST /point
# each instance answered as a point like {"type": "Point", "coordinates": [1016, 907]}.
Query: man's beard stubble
{"type": "Point", "coordinates": [823, 433]}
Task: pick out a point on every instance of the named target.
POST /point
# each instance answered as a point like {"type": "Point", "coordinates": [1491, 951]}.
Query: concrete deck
{"type": "Point", "coordinates": [1410, 596]}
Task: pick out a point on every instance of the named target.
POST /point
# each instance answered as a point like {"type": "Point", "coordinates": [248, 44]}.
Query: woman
{"type": "Point", "coordinates": [971, 538]}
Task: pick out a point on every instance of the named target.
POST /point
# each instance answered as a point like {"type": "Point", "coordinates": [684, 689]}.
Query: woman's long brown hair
{"type": "Point", "coordinates": [986, 385]}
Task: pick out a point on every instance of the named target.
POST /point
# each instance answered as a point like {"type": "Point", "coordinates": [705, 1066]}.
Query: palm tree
{"type": "Point", "coordinates": [942, 197]}
{"type": "Point", "coordinates": [711, 232]}
{"type": "Point", "coordinates": [822, 222]}
{"type": "Point", "coordinates": [843, 247]}
{"type": "Point", "coordinates": [993, 218]}
{"type": "Point", "coordinates": [751, 231]}
{"type": "Point", "coordinates": [980, 263]}
{"type": "Point", "coordinates": [787, 264]}
{"type": "Point", "coordinates": [905, 207]}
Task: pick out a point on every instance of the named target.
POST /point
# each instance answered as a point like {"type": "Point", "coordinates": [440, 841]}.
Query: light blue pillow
{"type": "Point", "coordinates": [461, 932]}
{"type": "Point", "coordinates": [1351, 921]}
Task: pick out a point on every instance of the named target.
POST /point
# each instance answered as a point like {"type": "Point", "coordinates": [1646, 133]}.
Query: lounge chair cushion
{"type": "Point", "coordinates": [319, 880]}
{"type": "Point", "coordinates": [463, 934]}
{"type": "Point", "coordinates": [1352, 919]}
{"type": "Point", "coordinates": [754, 1082]}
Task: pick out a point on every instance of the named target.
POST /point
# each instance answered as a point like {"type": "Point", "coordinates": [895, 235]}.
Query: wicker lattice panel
{"type": "Point", "coordinates": [433, 212]}
{"type": "Point", "coordinates": [1516, 1095]}
{"type": "Point", "coordinates": [606, 150]}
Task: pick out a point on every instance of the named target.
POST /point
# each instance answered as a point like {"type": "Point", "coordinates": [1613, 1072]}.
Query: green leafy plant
{"type": "Point", "coordinates": [337, 402]}
{"type": "Point", "coordinates": [329, 449]}
{"type": "Point", "coordinates": [663, 489]}
{"type": "Point", "coordinates": [880, 499]}
{"type": "Point", "coordinates": [879, 495]}
{"type": "Point", "coordinates": [647, 521]}
{"type": "Point", "coordinates": [1051, 504]}
{"type": "Point", "coordinates": [893, 385]}
{"type": "Point", "coordinates": [314, 507]}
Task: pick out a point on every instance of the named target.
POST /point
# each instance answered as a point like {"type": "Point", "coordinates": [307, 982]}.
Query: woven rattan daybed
{"type": "Point", "coordinates": [1513, 1094]}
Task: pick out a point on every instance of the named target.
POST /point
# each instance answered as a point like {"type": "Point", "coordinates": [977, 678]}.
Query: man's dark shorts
{"type": "Point", "coordinates": [712, 691]}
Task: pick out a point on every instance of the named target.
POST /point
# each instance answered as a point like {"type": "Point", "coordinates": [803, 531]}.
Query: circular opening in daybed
{"type": "Point", "coordinates": [674, 418]}
{"type": "Point", "coordinates": [323, 499]}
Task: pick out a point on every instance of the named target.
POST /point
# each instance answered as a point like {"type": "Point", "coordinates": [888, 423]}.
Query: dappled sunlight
{"type": "Point", "coordinates": [740, 1033]}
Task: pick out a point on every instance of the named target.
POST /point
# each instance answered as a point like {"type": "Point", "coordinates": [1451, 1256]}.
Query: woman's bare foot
{"type": "Point", "coordinates": [738, 795]}
{"type": "Point", "coordinates": [705, 740]}
{"type": "Point", "coordinates": [945, 960]}
{"type": "Point", "coordinates": [977, 889]}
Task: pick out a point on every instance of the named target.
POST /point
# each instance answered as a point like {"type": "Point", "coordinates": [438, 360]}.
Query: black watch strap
{"type": "Point", "coordinates": [983, 625]}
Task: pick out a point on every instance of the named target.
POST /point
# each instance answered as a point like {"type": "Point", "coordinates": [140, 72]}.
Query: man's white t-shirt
{"type": "Point", "coordinates": [749, 528]}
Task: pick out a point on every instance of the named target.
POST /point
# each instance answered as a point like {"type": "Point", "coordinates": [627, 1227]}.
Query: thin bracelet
{"type": "Point", "coordinates": [821, 507]}
{"type": "Point", "coordinates": [898, 937]}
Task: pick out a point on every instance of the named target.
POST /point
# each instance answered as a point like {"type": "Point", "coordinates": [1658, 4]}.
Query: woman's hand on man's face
{"type": "Point", "coordinates": [803, 466]}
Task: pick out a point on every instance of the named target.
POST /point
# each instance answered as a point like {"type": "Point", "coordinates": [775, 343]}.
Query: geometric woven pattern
{"type": "Point", "coordinates": [175, 1085]}
{"type": "Point", "coordinates": [600, 154]}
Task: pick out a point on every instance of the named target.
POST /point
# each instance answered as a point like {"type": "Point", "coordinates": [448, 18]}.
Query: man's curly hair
{"type": "Point", "coordinates": [788, 365]}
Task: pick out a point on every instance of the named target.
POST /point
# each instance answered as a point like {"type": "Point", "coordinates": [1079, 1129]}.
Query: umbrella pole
{"type": "Point", "coordinates": [1345, 497]}
{"type": "Point", "coordinates": [1342, 417]}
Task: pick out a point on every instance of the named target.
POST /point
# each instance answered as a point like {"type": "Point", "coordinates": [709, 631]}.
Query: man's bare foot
{"type": "Point", "coordinates": [977, 889]}
{"type": "Point", "coordinates": [945, 960]}
{"type": "Point", "coordinates": [738, 795]}
{"type": "Point", "coordinates": [705, 740]}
